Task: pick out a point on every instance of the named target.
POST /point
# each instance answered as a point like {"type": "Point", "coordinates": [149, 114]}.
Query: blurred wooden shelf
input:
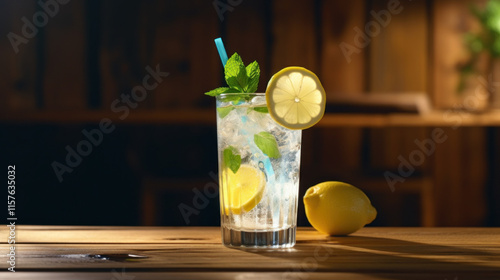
{"type": "Point", "coordinates": [174, 116]}
{"type": "Point", "coordinates": [207, 117]}
{"type": "Point", "coordinates": [432, 119]}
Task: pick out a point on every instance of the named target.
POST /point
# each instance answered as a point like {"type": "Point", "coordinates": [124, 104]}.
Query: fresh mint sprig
{"type": "Point", "coordinates": [219, 91]}
{"type": "Point", "coordinates": [253, 73]}
{"type": "Point", "coordinates": [232, 159]}
{"type": "Point", "coordinates": [236, 73]}
{"type": "Point", "coordinates": [224, 111]}
{"type": "Point", "coordinates": [267, 143]}
{"type": "Point", "coordinates": [240, 79]}
{"type": "Point", "coordinates": [264, 110]}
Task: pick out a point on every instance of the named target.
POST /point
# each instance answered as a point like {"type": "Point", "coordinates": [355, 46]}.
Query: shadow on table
{"type": "Point", "coordinates": [400, 246]}
{"type": "Point", "coordinates": [384, 257]}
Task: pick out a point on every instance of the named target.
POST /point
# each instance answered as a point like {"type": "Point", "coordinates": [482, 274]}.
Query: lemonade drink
{"type": "Point", "coordinates": [259, 142]}
{"type": "Point", "coordinates": [259, 162]}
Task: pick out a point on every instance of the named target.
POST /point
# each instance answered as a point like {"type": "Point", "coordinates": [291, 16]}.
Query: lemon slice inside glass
{"type": "Point", "coordinates": [295, 98]}
{"type": "Point", "coordinates": [242, 191]}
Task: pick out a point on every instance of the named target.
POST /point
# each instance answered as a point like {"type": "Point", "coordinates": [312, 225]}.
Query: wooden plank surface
{"type": "Point", "coordinates": [247, 33]}
{"type": "Point", "coordinates": [184, 47]}
{"type": "Point", "coordinates": [65, 75]}
{"type": "Point", "coordinates": [461, 182]}
{"type": "Point", "coordinates": [294, 25]}
{"type": "Point", "coordinates": [115, 274]}
{"type": "Point", "coordinates": [398, 62]}
{"type": "Point", "coordinates": [341, 74]}
{"type": "Point", "coordinates": [121, 67]}
{"type": "Point", "coordinates": [18, 58]}
{"type": "Point", "coordinates": [384, 251]}
{"type": "Point", "coordinates": [451, 20]}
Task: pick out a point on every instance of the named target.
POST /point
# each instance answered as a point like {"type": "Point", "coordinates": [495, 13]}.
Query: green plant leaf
{"type": "Point", "coordinates": [218, 91]}
{"type": "Point", "coordinates": [240, 79]}
{"type": "Point", "coordinates": [266, 142]}
{"type": "Point", "coordinates": [235, 99]}
{"type": "Point", "coordinates": [264, 110]}
{"type": "Point", "coordinates": [474, 42]}
{"type": "Point", "coordinates": [232, 159]}
{"type": "Point", "coordinates": [235, 73]}
{"type": "Point", "coordinates": [224, 111]}
{"type": "Point", "coordinates": [253, 72]}
{"type": "Point", "coordinates": [232, 90]}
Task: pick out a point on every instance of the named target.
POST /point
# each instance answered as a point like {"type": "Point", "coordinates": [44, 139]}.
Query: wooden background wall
{"type": "Point", "coordinates": [92, 51]}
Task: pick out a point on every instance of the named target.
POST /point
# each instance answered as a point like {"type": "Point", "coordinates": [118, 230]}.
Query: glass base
{"type": "Point", "coordinates": [284, 238]}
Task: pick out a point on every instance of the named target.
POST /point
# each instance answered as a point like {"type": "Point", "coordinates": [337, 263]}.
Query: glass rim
{"type": "Point", "coordinates": [242, 93]}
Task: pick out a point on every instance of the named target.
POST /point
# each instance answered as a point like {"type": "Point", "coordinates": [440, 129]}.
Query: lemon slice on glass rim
{"type": "Point", "coordinates": [295, 98]}
{"type": "Point", "coordinates": [243, 190]}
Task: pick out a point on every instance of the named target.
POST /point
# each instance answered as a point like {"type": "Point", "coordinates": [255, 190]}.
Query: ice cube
{"type": "Point", "coordinates": [228, 126]}
{"type": "Point", "coordinates": [259, 101]}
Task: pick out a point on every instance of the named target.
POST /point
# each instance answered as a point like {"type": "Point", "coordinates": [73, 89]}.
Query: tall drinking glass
{"type": "Point", "coordinates": [259, 163]}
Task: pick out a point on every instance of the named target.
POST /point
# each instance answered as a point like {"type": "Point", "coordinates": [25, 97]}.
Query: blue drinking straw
{"type": "Point", "coordinates": [222, 51]}
{"type": "Point", "coordinates": [267, 168]}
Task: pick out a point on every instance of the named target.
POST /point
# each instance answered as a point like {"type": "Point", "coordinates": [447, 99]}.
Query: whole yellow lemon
{"type": "Point", "coordinates": [337, 208]}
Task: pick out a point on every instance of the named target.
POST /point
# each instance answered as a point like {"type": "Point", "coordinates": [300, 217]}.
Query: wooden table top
{"type": "Point", "coordinates": [73, 252]}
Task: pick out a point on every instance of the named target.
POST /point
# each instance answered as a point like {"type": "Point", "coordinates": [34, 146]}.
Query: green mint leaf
{"type": "Point", "coordinates": [224, 111]}
{"type": "Point", "coordinates": [234, 98]}
{"type": "Point", "coordinates": [266, 142]}
{"type": "Point", "coordinates": [232, 159]}
{"type": "Point", "coordinates": [233, 90]}
{"type": "Point", "coordinates": [217, 91]}
{"type": "Point", "coordinates": [236, 73]}
{"type": "Point", "coordinates": [240, 79]}
{"type": "Point", "coordinates": [253, 72]}
{"type": "Point", "coordinates": [261, 110]}
{"type": "Point", "coordinates": [222, 90]}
